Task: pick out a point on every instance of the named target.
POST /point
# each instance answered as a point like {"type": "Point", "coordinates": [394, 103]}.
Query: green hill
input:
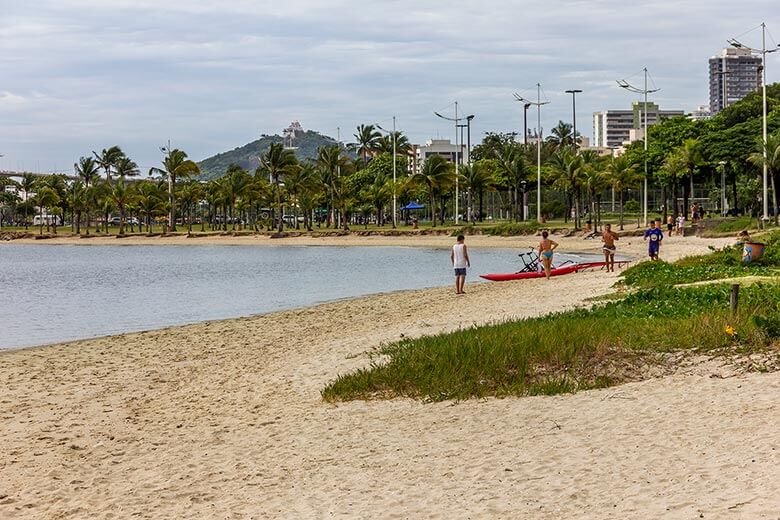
{"type": "Point", "coordinates": [307, 143]}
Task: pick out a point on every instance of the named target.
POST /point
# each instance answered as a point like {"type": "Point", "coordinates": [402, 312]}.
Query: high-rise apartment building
{"type": "Point", "coordinates": [733, 75]}
{"type": "Point", "coordinates": [612, 128]}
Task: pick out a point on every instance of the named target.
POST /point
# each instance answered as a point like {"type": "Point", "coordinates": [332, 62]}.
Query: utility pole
{"type": "Point", "coordinates": [764, 51]}
{"type": "Point", "coordinates": [538, 105]}
{"type": "Point", "coordinates": [574, 93]}
{"type": "Point", "coordinates": [456, 120]}
{"type": "Point", "coordinates": [626, 85]}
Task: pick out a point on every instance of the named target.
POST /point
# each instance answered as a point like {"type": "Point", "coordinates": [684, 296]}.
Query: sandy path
{"type": "Point", "coordinates": [224, 420]}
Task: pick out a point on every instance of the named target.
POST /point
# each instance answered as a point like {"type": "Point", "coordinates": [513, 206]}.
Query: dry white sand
{"type": "Point", "coordinates": [225, 420]}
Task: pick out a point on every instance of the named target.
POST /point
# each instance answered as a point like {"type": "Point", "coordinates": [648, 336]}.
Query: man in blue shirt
{"type": "Point", "coordinates": [655, 235]}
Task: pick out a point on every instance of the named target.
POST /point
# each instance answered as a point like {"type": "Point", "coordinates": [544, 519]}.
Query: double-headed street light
{"type": "Point", "coordinates": [456, 120]}
{"type": "Point", "coordinates": [628, 86]}
{"type": "Point", "coordinates": [393, 135]}
{"type": "Point", "coordinates": [763, 51]}
{"type": "Point", "coordinates": [574, 93]}
{"type": "Point", "coordinates": [538, 105]}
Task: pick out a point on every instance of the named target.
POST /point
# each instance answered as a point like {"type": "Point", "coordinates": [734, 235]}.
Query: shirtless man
{"type": "Point", "coordinates": [546, 248]}
{"type": "Point", "coordinates": [608, 237]}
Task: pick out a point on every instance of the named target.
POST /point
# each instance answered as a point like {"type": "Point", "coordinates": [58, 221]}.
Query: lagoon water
{"type": "Point", "coordinates": [51, 294]}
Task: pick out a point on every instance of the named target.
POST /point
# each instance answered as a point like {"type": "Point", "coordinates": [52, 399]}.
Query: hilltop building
{"type": "Point", "coordinates": [733, 75]}
{"type": "Point", "coordinates": [612, 128]}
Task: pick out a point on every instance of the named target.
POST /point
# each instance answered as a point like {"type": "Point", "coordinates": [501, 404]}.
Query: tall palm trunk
{"type": "Point", "coordinates": [621, 210]}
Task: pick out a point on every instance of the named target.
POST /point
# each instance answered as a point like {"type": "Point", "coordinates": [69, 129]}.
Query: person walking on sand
{"type": "Point", "coordinates": [669, 225]}
{"type": "Point", "coordinates": [546, 248]}
{"type": "Point", "coordinates": [460, 261]}
{"type": "Point", "coordinates": [681, 225]}
{"type": "Point", "coordinates": [656, 236]}
{"type": "Point", "coordinates": [608, 237]}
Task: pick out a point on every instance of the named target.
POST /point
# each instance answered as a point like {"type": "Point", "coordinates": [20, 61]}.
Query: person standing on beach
{"type": "Point", "coordinates": [655, 235]}
{"type": "Point", "coordinates": [546, 248]}
{"type": "Point", "coordinates": [608, 237]}
{"type": "Point", "coordinates": [669, 225]}
{"type": "Point", "coordinates": [681, 225]}
{"type": "Point", "coordinates": [460, 261]}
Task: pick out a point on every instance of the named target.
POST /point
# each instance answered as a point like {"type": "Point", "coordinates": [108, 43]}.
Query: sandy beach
{"type": "Point", "coordinates": [225, 420]}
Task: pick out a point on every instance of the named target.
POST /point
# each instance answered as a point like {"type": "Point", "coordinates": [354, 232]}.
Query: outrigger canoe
{"type": "Point", "coordinates": [557, 271]}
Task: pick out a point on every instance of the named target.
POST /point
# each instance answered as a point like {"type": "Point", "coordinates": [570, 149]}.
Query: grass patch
{"type": "Point", "coordinates": [734, 225]}
{"type": "Point", "coordinates": [505, 229]}
{"type": "Point", "coordinates": [565, 352]}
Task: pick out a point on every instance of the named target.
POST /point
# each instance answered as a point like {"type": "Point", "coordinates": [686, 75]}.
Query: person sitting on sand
{"type": "Point", "coordinates": [460, 261]}
{"type": "Point", "coordinates": [655, 235]}
{"type": "Point", "coordinates": [608, 237]}
{"type": "Point", "coordinates": [546, 248]}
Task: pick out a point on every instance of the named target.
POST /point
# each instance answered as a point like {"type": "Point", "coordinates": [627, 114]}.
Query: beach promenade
{"type": "Point", "coordinates": [225, 420]}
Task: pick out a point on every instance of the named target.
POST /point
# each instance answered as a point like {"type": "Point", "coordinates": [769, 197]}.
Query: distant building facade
{"type": "Point", "coordinates": [442, 147]}
{"type": "Point", "coordinates": [733, 75]}
{"type": "Point", "coordinates": [612, 128]}
{"type": "Point", "coordinates": [701, 113]}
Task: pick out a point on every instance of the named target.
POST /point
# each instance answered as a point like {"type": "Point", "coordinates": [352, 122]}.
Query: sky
{"type": "Point", "coordinates": [82, 75]}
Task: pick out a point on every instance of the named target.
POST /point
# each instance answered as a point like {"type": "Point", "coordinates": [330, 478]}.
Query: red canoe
{"type": "Point", "coordinates": [502, 277]}
{"type": "Point", "coordinates": [558, 271]}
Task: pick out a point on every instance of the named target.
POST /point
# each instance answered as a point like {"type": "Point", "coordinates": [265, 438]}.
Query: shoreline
{"type": "Point", "coordinates": [225, 418]}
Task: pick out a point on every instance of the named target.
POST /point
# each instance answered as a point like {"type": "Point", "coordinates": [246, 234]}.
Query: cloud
{"type": "Point", "coordinates": [84, 74]}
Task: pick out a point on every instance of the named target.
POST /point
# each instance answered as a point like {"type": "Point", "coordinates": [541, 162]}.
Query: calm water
{"type": "Point", "coordinates": [56, 293]}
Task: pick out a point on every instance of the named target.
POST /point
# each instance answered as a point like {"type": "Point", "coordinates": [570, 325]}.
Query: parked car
{"type": "Point", "coordinates": [114, 221]}
{"type": "Point", "coordinates": [132, 221]}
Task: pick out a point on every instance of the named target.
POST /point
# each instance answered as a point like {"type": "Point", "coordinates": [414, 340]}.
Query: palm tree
{"type": "Point", "coordinates": [87, 170]}
{"type": "Point", "coordinates": [622, 174]}
{"type": "Point", "coordinates": [690, 154]}
{"type": "Point", "coordinates": [275, 163]}
{"type": "Point", "coordinates": [330, 165]}
{"type": "Point", "coordinates": [150, 202]}
{"type": "Point", "coordinates": [367, 138]}
{"type": "Point", "coordinates": [297, 181]}
{"type": "Point", "coordinates": [190, 195]}
{"type": "Point", "coordinates": [236, 180]}
{"type": "Point", "coordinates": [108, 158]}
{"type": "Point", "coordinates": [124, 167]}
{"type": "Point", "coordinates": [8, 198]}
{"type": "Point", "coordinates": [772, 162]}
{"type": "Point", "coordinates": [595, 182]}
{"type": "Point", "coordinates": [561, 135]}
{"type": "Point", "coordinates": [434, 174]}
{"type": "Point", "coordinates": [176, 165]}
{"type": "Point", "coordinates": [567, 170]}
{"type": "Point", "coordinates": [27, 185]}
{"type": "Point", "coordinates": [475, 179]}
{"type": "Point", "coordinates": [77, 199]}
{"type": "Point", "coordinates": [384, 144]}
{"type": "Point", "coordinates": [513, 171]}
{"type": "Point", "coordinates": [47, 198]}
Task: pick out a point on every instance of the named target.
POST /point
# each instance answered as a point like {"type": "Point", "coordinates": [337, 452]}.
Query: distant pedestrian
{"type": "Point", "coordinates": [655, 236]}
{"type": "Point", "coordinates": [669, 225]}
{"type": "Point", "coordinates": [546, 248]}
{"type": "Point", "coordinates": [681, 225]}
{"type": "Point", "coordinates": [608, 237]}
{"type": "Point", "coordinates": [460, 261]}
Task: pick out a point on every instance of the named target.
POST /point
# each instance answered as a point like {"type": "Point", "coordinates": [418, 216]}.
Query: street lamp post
{"type": "Point", "coordinates": [764, 51]}
{"type": "Point", "coordinates": [722, 165]}
{"type": "Point", "coordinates": [526, 106]}
{"type": "Point", "coordinates": [574, 93]}
{"type": "Point", "coordinates": [626, 85]}
{"type": "Point", "coordinates": [538, 105]}
{"type": "Point", "coordinates": [456, 120]}
{"type": "Point", "coordinates": [395, 195]}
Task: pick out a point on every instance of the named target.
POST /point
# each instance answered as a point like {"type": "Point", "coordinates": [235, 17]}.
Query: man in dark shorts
{"type": "Point", "coordinates": [655, 236]}
{"type": "Point", "coordinates": [669, 225]}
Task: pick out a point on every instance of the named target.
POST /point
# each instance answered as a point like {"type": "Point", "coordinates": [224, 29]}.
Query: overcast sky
{"type": "Point", "coordinates": [81, 75]}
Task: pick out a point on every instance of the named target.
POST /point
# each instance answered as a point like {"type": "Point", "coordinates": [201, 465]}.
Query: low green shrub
{"type": "Point", "coordinates": [565, 352]}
